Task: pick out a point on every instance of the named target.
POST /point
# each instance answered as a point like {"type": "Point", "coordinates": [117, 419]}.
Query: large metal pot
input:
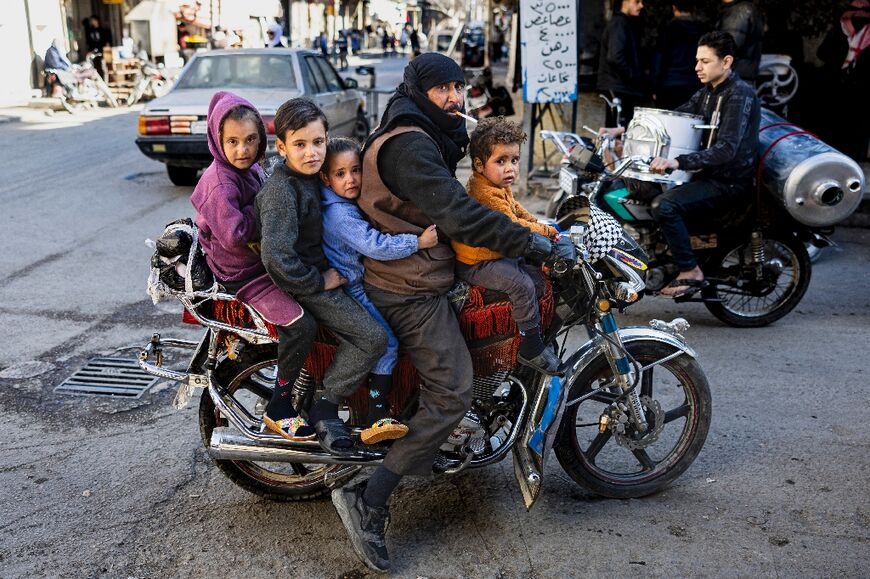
{"type": "Point", "coordinates": [818, 185]}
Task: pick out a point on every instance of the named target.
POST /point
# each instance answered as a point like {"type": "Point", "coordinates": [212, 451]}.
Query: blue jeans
{"type": "Point", "coordinates": [387, 362]}
{"type": "Point", "coordinates": [696, 203]}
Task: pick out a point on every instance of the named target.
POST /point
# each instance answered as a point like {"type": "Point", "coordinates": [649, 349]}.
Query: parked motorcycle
{"type": "Point", "coordinates": [81, 87]}
{"type": "Point", "coordinates": [149, 82]}
{"type": "Point", "coordinates": [483, 98]}
{"type": "Point", "coordinates": [629, 416]}
{"type": "Point", "coordinates": [755, 261]}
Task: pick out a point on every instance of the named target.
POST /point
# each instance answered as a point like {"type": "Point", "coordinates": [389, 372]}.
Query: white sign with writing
{"type": "Point", "coordinates": [548, 40]}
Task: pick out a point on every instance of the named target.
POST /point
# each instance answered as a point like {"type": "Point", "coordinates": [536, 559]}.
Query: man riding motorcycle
{"type": "Point", "coordinates": [409, 183]}
{"type": "Point", "coordinates": [725, 171]}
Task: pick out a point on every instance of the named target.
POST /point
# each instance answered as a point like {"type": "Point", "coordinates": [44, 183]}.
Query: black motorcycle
{"type": "Point", "coordinates": [755, 260]}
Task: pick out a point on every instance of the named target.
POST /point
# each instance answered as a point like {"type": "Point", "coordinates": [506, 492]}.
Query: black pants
{"type": "Point", "coordinates": [699, 202]}
{"type": "Point", "coordinates": [522, 283]}
{"type": "Point", "coordinates": [361, 342]}
{"type": "Point", "coordinates": [429, 332]}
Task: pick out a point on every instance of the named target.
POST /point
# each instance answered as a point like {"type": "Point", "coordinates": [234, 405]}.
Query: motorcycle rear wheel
{"type": "Point", "coordinates": [249, 378]}
{"type": "Point", "coordinates": [598, 462]}
{"type": "Point", "coordinates": [753, 304]}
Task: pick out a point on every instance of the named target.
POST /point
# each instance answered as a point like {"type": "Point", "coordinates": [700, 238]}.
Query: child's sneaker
{"type": "Point", "coordinates": [383, 429]}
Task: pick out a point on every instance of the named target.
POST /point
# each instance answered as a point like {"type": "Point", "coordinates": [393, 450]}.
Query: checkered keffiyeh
{"type": "Point", "coordinates": [602, 234]}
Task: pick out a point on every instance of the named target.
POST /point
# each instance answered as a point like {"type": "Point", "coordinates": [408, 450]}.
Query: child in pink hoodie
{"type": "Point", "coordinates": [226, 218]}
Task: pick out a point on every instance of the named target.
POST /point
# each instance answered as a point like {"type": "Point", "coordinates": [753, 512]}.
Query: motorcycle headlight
{"type": "Point", "coordinates": [627, 262]}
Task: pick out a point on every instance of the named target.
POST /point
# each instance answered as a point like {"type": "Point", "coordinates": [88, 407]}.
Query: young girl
{"type": "Point", "coordinates": [226, 218]}
{"type": "Point", "coordinates": [495, 156]}
{"type": "Point", "coordinates": [291, 227]}
{"type": "Point", "coordinates": [347, 236]}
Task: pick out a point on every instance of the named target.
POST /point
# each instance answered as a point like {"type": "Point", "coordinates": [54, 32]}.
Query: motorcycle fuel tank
{"type": "Point", "coordinates": [818, 185]}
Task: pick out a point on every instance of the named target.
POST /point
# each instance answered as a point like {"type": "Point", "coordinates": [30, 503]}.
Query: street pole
{"type": "Point", "coordinates": [211, 22]}
{"type": "Point", "coordinates": [288, 19]}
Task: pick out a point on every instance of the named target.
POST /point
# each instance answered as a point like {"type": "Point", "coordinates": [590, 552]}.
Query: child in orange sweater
{"type": "Point", "coordinates": [495, 158]}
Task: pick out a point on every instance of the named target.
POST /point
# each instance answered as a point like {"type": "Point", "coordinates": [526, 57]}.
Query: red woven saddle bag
{"type": "Point", "coordinates": [486, 323]}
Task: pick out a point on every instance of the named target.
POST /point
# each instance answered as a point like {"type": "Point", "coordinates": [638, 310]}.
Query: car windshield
{"type": "Point", "coordinates": [240, 71]}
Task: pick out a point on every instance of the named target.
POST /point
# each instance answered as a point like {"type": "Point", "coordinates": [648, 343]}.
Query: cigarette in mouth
{"type": "Point", "coordinates": [464, 116]}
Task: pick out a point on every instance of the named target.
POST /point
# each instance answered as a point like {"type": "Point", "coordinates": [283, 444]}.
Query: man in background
{"type": "Point", "coordinates": [742, 20]}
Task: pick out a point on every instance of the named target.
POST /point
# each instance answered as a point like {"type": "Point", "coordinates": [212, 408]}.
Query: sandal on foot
{"type": "Point", "coordinates": [331, 431]}
{"type": "Point", "coordinates": [383, 429]}
{"type": "Point", "coordinates": [692, 286]}
{"type": "Point", "coordinates": [294, 428]}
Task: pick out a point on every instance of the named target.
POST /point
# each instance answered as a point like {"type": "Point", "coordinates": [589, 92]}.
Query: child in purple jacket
{"type": "Point", "coordinates": [347, 236]}
{"type": "Point", "coordinates": [226, 218]}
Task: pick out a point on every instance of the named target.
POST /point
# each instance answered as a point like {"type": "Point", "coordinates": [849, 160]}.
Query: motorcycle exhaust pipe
{"type": "Point", "coordinates": [229, 444]}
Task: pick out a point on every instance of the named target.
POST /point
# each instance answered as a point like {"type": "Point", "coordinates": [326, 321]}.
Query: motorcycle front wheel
{"type": "Point", "coordinates": [249, 379]}
{"type": "Point", "coordinates": [739, 298]}
{"type": "Point", "coordinates": [631, 464]}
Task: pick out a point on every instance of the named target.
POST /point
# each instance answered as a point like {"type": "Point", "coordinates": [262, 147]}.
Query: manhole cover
{"type": "Point", "coordinates": [109, 377]}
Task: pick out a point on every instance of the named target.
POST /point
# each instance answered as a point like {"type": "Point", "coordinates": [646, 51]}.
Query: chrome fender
{"type": "Point", "coordinates": [583, 356]}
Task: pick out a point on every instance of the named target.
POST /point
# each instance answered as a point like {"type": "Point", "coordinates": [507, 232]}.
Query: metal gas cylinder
{"type": "Point", "coordinates": [818, 185]}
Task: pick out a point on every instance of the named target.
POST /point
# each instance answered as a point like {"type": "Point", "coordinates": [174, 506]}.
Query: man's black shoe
{"type": "Point", "coordinates": [365, 525]}
{"type": "Point", "coordinates": [546, 362]}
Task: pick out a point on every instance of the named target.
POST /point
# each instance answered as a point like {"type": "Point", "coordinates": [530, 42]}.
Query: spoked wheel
{"type": "Point", "coordinates": [621, 462]}
{"type": "Point", "coordinates": [249, 379]}
{"type": "Point", "coordinates": [746, 301]}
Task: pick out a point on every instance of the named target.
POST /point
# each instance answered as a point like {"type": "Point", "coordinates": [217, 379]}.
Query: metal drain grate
{"type": "Point", "coordinates": [109, 377]}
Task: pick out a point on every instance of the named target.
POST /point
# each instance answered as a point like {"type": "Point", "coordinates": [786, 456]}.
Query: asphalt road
{"type": "Point", "coordinates": [94, 487]}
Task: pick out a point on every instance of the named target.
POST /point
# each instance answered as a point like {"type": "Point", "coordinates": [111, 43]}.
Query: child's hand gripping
{"type": "Point", "coordinates": [427, 239]}
{"type": "Point", "coordinates": [332, 279]}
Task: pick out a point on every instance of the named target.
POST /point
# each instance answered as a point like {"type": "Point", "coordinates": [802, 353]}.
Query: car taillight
{"type": "Point", "coordinates": [188, 318]}
{"type": "Point", "coordinates": [180, 124]}
{"type": "Point", "coordinates": [269, 121]}
{"type": "Point", "coordinates": [154, 125]}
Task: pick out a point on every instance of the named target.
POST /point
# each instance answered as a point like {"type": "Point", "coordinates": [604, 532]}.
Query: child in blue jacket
{"type": "Point", "coordinates": [347, 236]}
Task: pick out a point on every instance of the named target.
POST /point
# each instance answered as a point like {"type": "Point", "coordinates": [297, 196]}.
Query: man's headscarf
{"type": "Point", "coordinates": [409, 106]}
{"type": "Point", "coordinates": [277, 30]}
{"type": "Point", "coordinates": [854, 24]}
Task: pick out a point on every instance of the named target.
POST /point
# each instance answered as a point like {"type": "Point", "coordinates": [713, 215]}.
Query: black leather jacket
{"type": "Point", "coordinates": [619, 67]}
{"type": "Point", "coordinates": [743, 21]}
{"type": "Point", "coordinates": [733, 154]}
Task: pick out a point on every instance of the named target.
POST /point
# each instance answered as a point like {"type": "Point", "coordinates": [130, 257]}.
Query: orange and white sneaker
{"type": "Point", "coordinates": [383, 429]}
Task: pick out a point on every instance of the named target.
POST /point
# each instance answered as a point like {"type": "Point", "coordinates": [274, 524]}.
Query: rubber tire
{"type": "Point", "coordinates": [576, 466]}
{"type": "Point", "coordinates": [804, 275]}
{"type": "Point", "coordinates": [182, 176]}
{"type": "Point", "coordinates": [225, 373]}
{"type": "Point", "coordinates": [361, 127]}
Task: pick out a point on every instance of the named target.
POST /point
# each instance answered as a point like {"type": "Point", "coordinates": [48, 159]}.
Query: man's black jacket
{"type": "Point", "coordinates": [733, 154]}
{"type": "Point", "coordinates": [619, 66]}
{"type": "Point", "coordinates": [743, 21]}
{"type": "Point", "coordinates": [412, 168]}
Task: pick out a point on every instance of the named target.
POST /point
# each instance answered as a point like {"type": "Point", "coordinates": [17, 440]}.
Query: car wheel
{"type": "Point", "coordinates": [361, 127]}
{"type": "Point", "coordinates": [182, 176]}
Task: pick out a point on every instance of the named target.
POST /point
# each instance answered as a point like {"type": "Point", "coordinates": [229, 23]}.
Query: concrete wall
{"type": "Point", "coordinates": [15, 43]}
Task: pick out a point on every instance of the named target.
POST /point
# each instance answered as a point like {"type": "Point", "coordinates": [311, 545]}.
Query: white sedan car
{"type": "Point", "coordinates": [172, 128]}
